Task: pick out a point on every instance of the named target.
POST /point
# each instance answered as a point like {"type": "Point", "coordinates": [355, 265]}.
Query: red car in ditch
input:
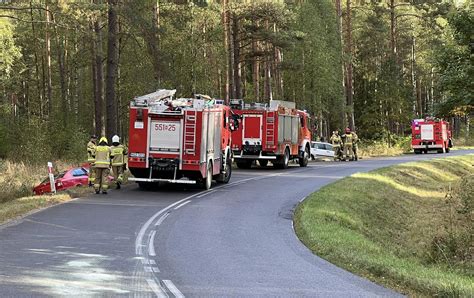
{"type": "Point", "coordinates": [73, 177]}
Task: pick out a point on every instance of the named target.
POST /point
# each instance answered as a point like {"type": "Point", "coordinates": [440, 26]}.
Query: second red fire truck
{"type": "Point", "coordinates": [431, 134]}
{"type": "Point", "coordinates": [277, 132]}
{"type": "Point", "coordinates": [184, 140]}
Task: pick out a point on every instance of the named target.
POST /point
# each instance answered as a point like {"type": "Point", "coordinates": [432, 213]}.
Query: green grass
{"type": "Point", "coordinates": [18, 207]}
{"type": "Point", "coordinates": [397, 226]}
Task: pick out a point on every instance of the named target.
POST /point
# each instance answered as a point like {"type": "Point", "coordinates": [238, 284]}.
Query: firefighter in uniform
{"type": "Point", "coordinates": [355, 148]}
{"type": "Point", "coordinates": [118, 153]}
{"type": "Point", "coordinates": [336, 145]}
{"type": "Point", "coordinates": [91, 158]}
{"type": "Point", "coordinates": [347, 138]}
{"type": "Point", "coordinates": [102, 166]}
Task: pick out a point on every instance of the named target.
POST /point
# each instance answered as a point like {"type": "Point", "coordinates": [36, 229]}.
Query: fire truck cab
{"type": "Point", "coordinates": [430, 134]}
{"type": "Point", "coordinates": [184, 140]}
{"type": "Point", "coordinates": [277, 132]}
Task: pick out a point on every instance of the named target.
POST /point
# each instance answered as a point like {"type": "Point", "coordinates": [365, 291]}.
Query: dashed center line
{"type": "Point", "coordinates": [205, 194]}
{"type": "Point", "coordinates": [173, 289]}
{"type": "Point", "coordinates": [159, 292]}
{"type": "Point", "coordinates": [161, 219]}
{"type": "Point", "coordinates": [182, 204]}
{"type": "Point", "coordinates": [151, 246]}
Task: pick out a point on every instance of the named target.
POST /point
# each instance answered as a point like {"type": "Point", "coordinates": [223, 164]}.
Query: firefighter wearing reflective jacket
{"type": "Point", "coordinates": [102, 166]}
{"type": "Point", "coordinates": [355, 148]}
{"type": "Point", "coordinates": [348, 140]}
{"type": "Point", "coordinates": [336, 145]}
{"type": "Point", "coordinates": [91, 157]}
{"type": "Point", "coordinates": [118, 153]}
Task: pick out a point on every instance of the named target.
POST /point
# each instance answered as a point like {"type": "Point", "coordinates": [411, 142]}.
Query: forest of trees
{"type": "Point", "coordinates": [68, 69]}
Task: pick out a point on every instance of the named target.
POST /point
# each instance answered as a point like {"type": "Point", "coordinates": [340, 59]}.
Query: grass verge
{"type": "Point", "coordinates": [19, 207]}
{"type": "Point", "coordinates": [409, 227]}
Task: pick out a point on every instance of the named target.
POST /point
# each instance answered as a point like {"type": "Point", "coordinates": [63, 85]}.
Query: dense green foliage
{"type": "Point", "coordinates": [58, 75]}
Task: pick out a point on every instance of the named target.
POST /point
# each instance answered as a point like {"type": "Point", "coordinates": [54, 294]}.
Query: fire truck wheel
{"type": "Point", "coordinates": [283, 161]}
{"type": "Point", "coordinates": [263, 162]}
{"type": "Point", "coordinates": [244, 164]}
{"type": "Point", "coordinates": [208, 180]}
{"type": "Point", "coordinates": [304, 160]}
{"type": "Point", "coordinates": [225, 177]}
{"type": "Point", "coordinates": [417, 151]}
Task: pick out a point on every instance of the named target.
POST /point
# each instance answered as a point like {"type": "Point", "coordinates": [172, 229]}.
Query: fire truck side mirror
{"type": "Point", "coordinates": [235, 122]}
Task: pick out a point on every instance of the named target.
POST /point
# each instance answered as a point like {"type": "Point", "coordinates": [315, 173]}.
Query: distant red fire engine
{"type": "Point", "coordinates": [430, 134]}
{"type": "Point", "coordinates": [277, 132]}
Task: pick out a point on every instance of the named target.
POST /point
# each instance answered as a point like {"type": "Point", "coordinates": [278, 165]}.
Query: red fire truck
{"type": "Point", "coordinates": [184, 140]}
{"type": "Point", "coordinates": [277, 132]}
{"type": "Point", "coordinates": [430, 134]}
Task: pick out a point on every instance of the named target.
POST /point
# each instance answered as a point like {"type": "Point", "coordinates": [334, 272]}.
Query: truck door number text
{"type": "Point", "coordinates": [165, 127]}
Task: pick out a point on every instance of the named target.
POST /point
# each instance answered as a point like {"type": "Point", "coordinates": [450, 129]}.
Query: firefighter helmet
{"type": "Point", "coordinates": [103, 140]}
{"type": "Point", "coordinates": [115, 139]}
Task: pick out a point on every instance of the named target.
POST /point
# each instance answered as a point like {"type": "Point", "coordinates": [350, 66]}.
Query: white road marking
{"type": "Point", "coordinates": [161, 219]}
{"type": "Point", "coordinates": [152, 262]}
{"type": "Point", "coordinates": [151, 269]}
{"type": "Point", "coordinates": [141, 233]}
{"type": "Point", "coordinates": [151, 246]}
{"type": "Point", "coordinates": [139, 240]}
{"type": "Point", "coordinates": [205, 194]}
{"type": "Point", "coordinates": [173, 289]}
{"type": "Point", "coordinates": [181, 205]}
{"type": "Point", "coordinates": [159, 292]}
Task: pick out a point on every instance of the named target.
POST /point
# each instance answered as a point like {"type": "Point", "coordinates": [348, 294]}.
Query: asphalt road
{"type": "Point", "coordinates": [234, 240]}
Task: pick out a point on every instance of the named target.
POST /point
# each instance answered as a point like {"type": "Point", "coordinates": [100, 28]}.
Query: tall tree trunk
{"type": "Point", "coordinates": [342, 114]}
{"type": "Point", "coordinates": [37, 70]}
{"type": "Point", "coordinates": [393, 46]}
{"type": "Point", "coordinates": [154, 42]}
{"type": "Point", "coordinates": [255, 72]}
{"type": "Point", "coordinates": [413, 77]}
{"type": "Point", "coordinates": [228, 71]}
{"type": "Point", "coordinates": [98, 77]}
{"type": "Point", "coordinates": [349, 78]}
{"type": "Point", "coordinates": [236, 59]}
{"type": "Point", "coordinates": [112, 64]}
{"type": "Point", "coordinates": [48, 60]}
{"type": "Point", "coordinates": [62, 72]}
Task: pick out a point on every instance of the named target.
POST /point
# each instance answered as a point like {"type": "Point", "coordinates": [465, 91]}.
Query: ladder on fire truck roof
{"type": "Point", "coordinates": [270, 133]}
{"type": "Point", "coordinates": [190, 132]}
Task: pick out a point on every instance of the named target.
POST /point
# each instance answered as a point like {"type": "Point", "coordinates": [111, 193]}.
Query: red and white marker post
{"type": "Point", "coordinates": [51, 177]}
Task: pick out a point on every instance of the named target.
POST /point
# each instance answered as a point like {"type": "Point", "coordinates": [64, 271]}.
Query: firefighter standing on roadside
{"type": "Point", "coordinates": [102, 166]}
{"type": "Point", "coordinates": [91, 158]}
{"type": "Point", "coordinates": [118, 153]}
{"type": "Point", "coordinates": [347, 138]}
{"type": "Point", "coordinates": [355, 148]}
{"type": "Point", "coordinates": [336, 145]}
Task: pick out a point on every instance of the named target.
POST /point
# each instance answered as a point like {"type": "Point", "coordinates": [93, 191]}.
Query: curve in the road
{"type": "Point", "coordinates": [233, 240]}
{"type": "Point", "coordinates": [250, 233]}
